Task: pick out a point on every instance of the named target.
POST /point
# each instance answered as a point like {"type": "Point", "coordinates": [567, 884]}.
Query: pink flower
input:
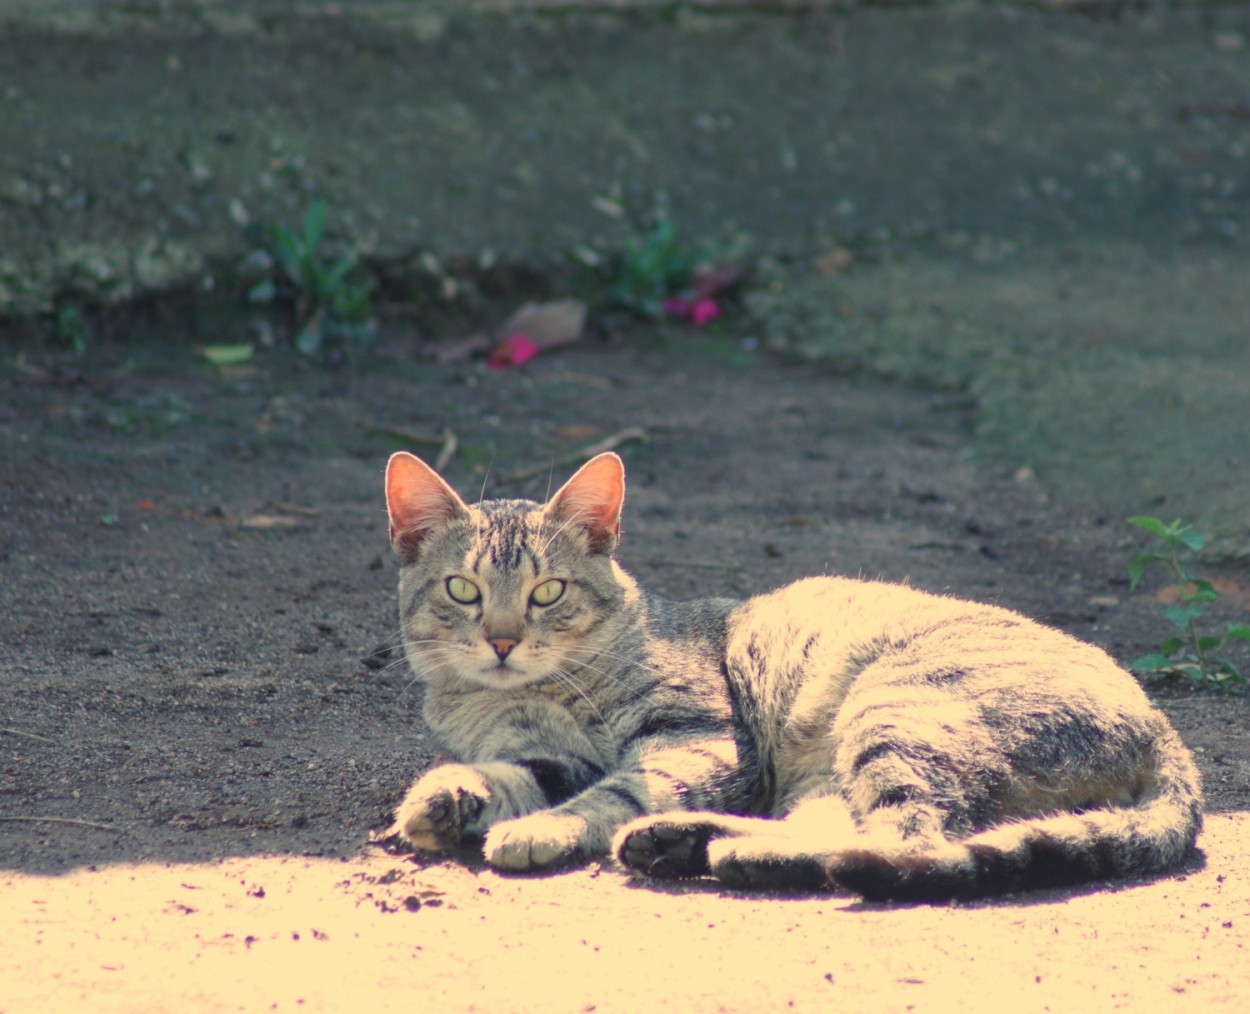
{"type": "Point", "coordinates": [697, 311]}
{"type": "Point", "coordinates": [703, 312]}
{"type": "Point", "coordinates": [512, 351]}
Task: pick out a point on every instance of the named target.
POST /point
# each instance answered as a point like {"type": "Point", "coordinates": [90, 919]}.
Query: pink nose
{"type": "Point", "coordinates": [502, 646]}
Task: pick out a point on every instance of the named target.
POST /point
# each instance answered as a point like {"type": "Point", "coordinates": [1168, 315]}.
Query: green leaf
{"type": "Point", "coordinates": [350, 302]}
{"type": "Point", "coordinates": [1196, 675]}
{"type": "Point", "coordinates": [310, 336]}
{"type": "Point", "coordinates": [1136, 568]}
{"type": "Point", "coordinates": [287, 246]}
{"type": "Point", "coordinates": [334, 277]}
{"type": "Point", "coordinates": [1172, 645]}
{"type": "Point", "coordinates": [314, 225]}
{"type": "Point", "coordinates": [1183, 614]}
{"type": "Point", "coordinates": [1152, 525]}
{"type": "Point", "coordinates": [1193, 539]}
{"type": "Point", "coordinates": [1237, 632]}
{"type": "Point", "coordinates": [1209, 642]}
{"type": "Point", "coordinates": [263, 291]}
{"type": "Point", "coordinates": [1151, 663]}
{"type": "Point", "coordinates": [1203, 591]}
{"type": "Point", "coordinates": [1232, 678]}
{"type": "Point", "coordinates": [228, 355]}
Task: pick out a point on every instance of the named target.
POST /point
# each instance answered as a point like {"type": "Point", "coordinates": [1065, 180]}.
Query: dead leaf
{"type": "Point", "coordinates": [272, 523]}
{"type": "Point", "coordinates": [296, 509]}
{"type": "Point", "coordinates": [548, 325]}
{"type": "Point", "coordinates": [464, 349]}
{"type": "Point", "coordinates": [710, 280]}
{"type": "Point", "coordinates": [227, 355]}
{"type": "Point", "coordinates": [1226, 588]}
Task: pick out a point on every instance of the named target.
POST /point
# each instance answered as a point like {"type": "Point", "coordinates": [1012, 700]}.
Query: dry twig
{"type": "Point", "coordinates": [609, 443]}
{"type": "Point", "coordinates": [447, 452]}
{"type": "Point", "coordinates": [446, 442]}
{"type": "Point", "coordinates": [63, 820]}
{"type": "Point", "coordinates": [28, 735]}
{"type": "Point", "coordinates": [404, 433]}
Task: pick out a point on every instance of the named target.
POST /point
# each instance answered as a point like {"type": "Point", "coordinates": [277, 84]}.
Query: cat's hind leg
{"type": "Point", "coordinates": [749, 852]}
{"type": "Point", "coordinates": [669, 845]}
{"type": "Point", "coordinates": [788, 854]}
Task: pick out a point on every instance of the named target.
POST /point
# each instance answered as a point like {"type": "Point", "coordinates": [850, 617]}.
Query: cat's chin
{"type": "Point", "coordinates": [504, 677]}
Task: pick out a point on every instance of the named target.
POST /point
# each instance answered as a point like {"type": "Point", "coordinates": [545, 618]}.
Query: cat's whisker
{"type": "Point", "coordinates": [580, 516]}
{"type": "Point", "coordinates": [637, 691]}
{"type": "Point", "coordinates": [567, 679]}
{"type": "Point", "coordinates": [433, 656]}
{"type": "Point", "coordinates": [629, 660]}
{"type": "Point", "coordinates": [481, 493]}
{"type": "Point", "coordinates": [580, 667]}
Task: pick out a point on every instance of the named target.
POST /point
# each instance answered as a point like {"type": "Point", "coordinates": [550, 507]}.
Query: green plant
{"type": "Point", "coordinates": [71, 327]}
{"type": "Point", "coordinates": [653, 270]}
{"type": "Point", "coordinates": [331, 295]}
{"type": "Point", "coordinates": [1187, 654]}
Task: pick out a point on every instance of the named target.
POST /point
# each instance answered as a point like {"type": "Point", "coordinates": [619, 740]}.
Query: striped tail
{"type": "Point", "coordinates": [1152, 836]}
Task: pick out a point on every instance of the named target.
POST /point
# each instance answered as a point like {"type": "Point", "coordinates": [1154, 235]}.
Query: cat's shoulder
{"type": "Point", "coordinates": [864, 606]}
{"type": "Point", "coordinates": [832, 591]}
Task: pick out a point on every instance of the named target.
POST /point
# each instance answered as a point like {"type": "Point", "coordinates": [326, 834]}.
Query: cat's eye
{"type": "Point", "coordinates": [463, 590]}
{"type": "Point", "coordinates": [547, 592]}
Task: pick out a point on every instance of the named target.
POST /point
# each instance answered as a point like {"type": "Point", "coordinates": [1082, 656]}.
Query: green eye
{"type": "Point", "coordinates": [462, 590]}
{"type": "Point", "coordinates": [547, 592]}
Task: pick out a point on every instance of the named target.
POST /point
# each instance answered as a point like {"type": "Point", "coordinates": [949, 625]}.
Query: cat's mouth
{"type": "Point", "coordinates": [509, 675]}
{"type": "Point", "coordinates": [504, 670]}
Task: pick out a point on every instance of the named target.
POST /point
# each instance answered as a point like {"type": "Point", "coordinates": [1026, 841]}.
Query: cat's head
{"type": "Point", "coordinates": [505, 593]}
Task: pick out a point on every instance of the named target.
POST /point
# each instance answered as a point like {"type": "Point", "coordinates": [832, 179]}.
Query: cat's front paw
{"type": "Point", "coordinates": [441, 809]}
{"type": "Point", "coordinates": [664, 847]}
{"type": "Point", "coordinates": [539, 841]}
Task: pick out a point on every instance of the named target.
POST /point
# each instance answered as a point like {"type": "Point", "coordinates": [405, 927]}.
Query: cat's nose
{"type": "Point", "coordinates": [502, 646]}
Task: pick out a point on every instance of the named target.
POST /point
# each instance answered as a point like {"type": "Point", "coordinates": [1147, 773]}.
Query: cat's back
{"type": "Point", "coordinates": [806, 647]}
{"type": "Point", "coordinates": [836, 667]}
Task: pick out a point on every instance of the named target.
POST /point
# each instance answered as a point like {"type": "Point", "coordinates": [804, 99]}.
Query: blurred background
{"type": "Point", "coordinates": [1042, 207]}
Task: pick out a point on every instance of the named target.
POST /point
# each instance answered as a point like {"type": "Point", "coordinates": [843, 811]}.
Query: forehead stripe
{"type": "Point", "coordinates": [503, 538]}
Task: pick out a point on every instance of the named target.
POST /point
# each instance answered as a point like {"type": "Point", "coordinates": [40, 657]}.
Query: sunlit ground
{"type": "Point", "coordinates": [380, 933]}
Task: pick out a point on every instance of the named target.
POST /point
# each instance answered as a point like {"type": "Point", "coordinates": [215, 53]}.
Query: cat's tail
{"type": "Point", "coordinates": [1156, 833]}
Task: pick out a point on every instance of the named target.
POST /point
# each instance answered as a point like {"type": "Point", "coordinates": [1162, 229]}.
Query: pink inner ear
{"type": "Point", "coordinates": [593, 498]}
{"type": "Point", "coordinates": [417, 498]}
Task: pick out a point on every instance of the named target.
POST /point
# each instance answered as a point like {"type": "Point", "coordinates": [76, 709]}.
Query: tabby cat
{"type": "Point", "coordinates": [833, 733]}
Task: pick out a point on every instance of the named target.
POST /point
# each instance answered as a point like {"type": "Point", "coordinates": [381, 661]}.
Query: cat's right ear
{"type": "Point", "coordinates": [417, 500]}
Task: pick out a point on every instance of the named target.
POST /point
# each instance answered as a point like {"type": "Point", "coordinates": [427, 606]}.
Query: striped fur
{"type": "Point", "coordinates": [832, 733]}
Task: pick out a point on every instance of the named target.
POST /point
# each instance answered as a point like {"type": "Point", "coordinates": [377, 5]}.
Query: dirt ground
{"type": "Point", "coordinates": [202, 716]}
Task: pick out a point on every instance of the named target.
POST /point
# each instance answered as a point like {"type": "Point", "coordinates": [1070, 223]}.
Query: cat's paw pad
{"type": "Point", "coordinates": [539, 841]}
{"type": "Point", "coordinates": [663, 848]}
{"type": "Point", "coordinates": [441, 809]}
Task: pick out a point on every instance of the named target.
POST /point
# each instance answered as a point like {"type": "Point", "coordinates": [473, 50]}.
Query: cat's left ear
{"type": "Point", "coordinates": [592, 500]}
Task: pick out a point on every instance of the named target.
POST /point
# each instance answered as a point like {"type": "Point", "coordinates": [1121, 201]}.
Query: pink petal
{"type": "Point", "coordinates": [704, 311]}
{"type": "Point", "coordinates": [512, 351]}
